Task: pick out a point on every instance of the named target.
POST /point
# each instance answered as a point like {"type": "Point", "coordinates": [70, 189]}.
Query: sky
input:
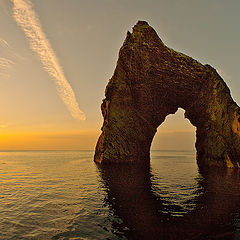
{"type": "Point", "coordinates": [57, 56]}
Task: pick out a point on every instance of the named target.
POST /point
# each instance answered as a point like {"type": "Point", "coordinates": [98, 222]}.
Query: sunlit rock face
{"type": "Point", "coordinates": [151, 81]}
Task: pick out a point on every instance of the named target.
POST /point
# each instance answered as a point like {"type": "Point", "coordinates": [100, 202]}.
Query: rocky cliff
{"type": "Point", "coordinates": [151, 81]}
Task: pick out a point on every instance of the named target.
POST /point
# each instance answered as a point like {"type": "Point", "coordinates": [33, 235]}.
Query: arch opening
{"type": "Point", "coordinates": [176, 133]}
{"type": "Point", "coordinates": [172, 160]}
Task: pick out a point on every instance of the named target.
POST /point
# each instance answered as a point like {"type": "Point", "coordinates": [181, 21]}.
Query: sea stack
{"type": "Point", "coordinates": [152, 81]}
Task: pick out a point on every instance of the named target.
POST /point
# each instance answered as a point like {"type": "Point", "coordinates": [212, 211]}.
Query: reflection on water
{"type": "Point", "coordinates": [148, 214]}
{"type": "Point", "coordinates": [65, 195]}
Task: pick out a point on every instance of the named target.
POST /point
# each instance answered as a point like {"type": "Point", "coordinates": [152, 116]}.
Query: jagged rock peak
{"type": "Point", "coordinates": [141, 33]}
{"type": "Point", "coordinates": [139, 25]}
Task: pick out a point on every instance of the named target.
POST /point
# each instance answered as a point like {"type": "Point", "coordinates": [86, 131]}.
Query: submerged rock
{"type": "Point", "coordinates": [152, 81]}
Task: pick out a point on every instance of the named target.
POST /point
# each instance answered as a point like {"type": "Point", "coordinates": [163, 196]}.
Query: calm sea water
{"type": "Point", "coordinates": [65, 195]}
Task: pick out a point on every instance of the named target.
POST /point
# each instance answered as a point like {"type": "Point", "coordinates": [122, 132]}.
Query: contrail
{"type": "Point", "coordinates": [27, 19]}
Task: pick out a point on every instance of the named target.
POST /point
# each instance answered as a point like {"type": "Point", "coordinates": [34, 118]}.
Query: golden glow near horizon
{"type": "Point", "coordinates": [83, 140]}
{"type": "Point", "coordinates": [77, 140]}
{"type": "Point", "coordinates": [170, 136]}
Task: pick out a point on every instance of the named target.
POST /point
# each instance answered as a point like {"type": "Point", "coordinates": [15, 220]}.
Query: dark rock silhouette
{"type": "Point", "coordinates": [151, 81]}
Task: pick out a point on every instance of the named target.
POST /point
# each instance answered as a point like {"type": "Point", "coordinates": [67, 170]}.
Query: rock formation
{"type": "Point", "coordinates": [151, 81]}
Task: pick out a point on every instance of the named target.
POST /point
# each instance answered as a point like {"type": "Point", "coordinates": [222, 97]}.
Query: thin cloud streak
{"type": "Point", "coordinates": [4, 43]}
{"type": "Point", "coordinates": [5, 63]}
{"type": "Point", "coordinates": [27, 19]}
{"type": "Point", "coordinates": [8, 50]}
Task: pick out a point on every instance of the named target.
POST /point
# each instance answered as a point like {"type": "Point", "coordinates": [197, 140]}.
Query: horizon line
{"type": "Point", "coordinates": [70, 150]}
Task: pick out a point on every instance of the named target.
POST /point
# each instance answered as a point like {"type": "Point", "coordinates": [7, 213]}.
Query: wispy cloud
{"type": "Point", "coordinates": [5, 62]}
{"type": "Point", "coordinates": [4, 43]}
{"type": "Point", "coordinates": [27, 19]}
{"type": "Point", "coordinates": [8, 53]}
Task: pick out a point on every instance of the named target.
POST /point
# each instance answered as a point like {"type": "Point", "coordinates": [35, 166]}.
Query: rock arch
{"type": "Point", "coordinates": [151, 81]}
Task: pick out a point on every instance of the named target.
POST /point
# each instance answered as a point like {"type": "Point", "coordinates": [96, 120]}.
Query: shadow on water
{"type": "Point", "coordinates": [131, 197]}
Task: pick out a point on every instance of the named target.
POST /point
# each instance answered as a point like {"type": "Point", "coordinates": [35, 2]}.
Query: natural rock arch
{"type": "Point", "coordinates": [151, 81]}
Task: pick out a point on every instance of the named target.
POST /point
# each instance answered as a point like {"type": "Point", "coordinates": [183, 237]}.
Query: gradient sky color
{"type": "Point", "coordinates": [86, 37]}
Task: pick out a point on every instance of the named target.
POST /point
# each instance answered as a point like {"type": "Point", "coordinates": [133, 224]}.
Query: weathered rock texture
{"type": "Point", "coordinates": [151, 81]}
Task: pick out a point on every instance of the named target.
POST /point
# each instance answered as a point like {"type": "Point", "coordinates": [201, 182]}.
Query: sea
{"type": "Point", "coordinates": [65, 195]}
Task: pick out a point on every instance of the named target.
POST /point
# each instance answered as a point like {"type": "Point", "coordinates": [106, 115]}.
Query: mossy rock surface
{"type": "Point", "coordinates": [152, 81]}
